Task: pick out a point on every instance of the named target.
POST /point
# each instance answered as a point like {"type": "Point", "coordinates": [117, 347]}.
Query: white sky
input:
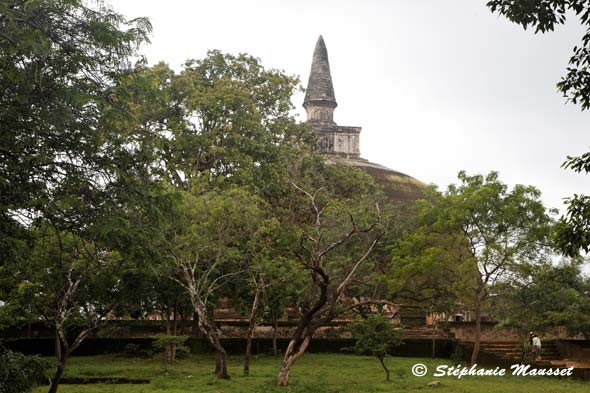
{"type": "Point", "coordinates": [437, 86]}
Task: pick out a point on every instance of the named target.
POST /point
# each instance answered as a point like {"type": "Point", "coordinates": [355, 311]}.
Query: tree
{"type": "Point", "coordinates": [222, 121]}
{"type": "Point", "coordinates": [164, 342]}
{"type": "Point", "coordinates": [334, 259]}
{"type": "Point", "coordinates": [71, 283]}
{"type": "Point", "coordinates": [428, 268]}
{"type": "Point", "coordinates": [497, 231]}
{"type": "Point", "coordinates": [546, 296]}
{"type": "Point", "coordinates": [426, 263]}
{"type": "Point", "coordinates": [376, 336]}
{"type": "Point", "coordinates": [204, 246]}
{"type": "Point", "coordinates": [573, 230]}
{"type": "Point", "coordinates": [58, 60]}
{"type": "Point", "coordinates": [271, 281]}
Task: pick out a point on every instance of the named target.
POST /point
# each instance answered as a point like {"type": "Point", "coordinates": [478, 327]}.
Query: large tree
{"type": "Point", "coordinates": [58, 61]}
{"type": "Point", "coordinates": [59, 177]}
{"type": "Point", "coordinates": [573, 229]}
{"type": "Point", "coordinates": [427, 269]}
{"type": "Point", "coordinates": [203, 243]}
{"type": "Point", "coordinates": [223, 122]}
{"type": "Point", "coordinates": [339, 227]}
{"type": "Point", "coordinates": [493, 230]}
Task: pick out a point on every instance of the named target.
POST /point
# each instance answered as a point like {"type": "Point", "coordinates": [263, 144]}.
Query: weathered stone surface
{"type": "Point", "coordinates": [320, 90]}
{"type": "Point", "coordinates": [397, 186]}
{"type": "Point", "coordinates": [341, 144]}
{"type": "Point", "coordinates": [320, 103]}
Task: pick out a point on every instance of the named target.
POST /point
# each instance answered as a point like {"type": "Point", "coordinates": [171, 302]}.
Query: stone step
{"type": "Point", "coordinates": [511, 350]}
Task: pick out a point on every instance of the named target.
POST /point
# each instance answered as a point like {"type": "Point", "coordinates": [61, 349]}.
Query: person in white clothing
{"type": "Point", "coordinates": [536, 346]}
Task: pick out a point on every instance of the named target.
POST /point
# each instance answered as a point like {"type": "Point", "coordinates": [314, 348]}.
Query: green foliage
{"type": "Point", "coordinates": [212, 228]}
{"type": "Point", "coordinates": [572, 232]}
{"type": "Point", "coordinates": [136, 351]}
{"type": "Point", "coordinates": [58, 260]}
{"type": "Point", "coordinates": [426, 261]}
{"type": "Point", "coordinates": [468, 240]}
{"type": "Point", "coordinates": [162, 342]}
{"type": "Point", "coordinates": [60, 178]}
{"type": "Point", "coordinates": [376, 336]}
{"type": "Point", "coordinates": [223, 121]}
{"type": "Point", "coordinates": [54, 83]}
{"type": "Point", "coordinates": [546, 296]}
{"type": "Point", "coordinates": [458, 356]}
{"type": "Point", "coordinates": [543, 15]}
{"type": "Point", "coordinates": [20, 373]}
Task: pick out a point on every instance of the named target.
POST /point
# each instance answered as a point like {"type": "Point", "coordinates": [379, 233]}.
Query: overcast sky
{"type": "Point", "coordinates": [437, 86]}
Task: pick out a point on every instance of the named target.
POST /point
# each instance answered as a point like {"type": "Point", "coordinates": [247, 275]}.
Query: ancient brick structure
{"type": "Point", "coordinates": [320, 103]}
{"type": "Point", "coordinates": [341, 144]}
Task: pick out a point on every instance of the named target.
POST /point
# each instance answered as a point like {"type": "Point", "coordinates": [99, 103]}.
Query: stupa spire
{"type": "Point", "coordinates": [320, 90]}
{"type": "Point", "coordinates": [320, 102]}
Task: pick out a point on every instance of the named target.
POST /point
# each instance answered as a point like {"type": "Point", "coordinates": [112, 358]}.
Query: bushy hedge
{"type": "Point", "coordinates": [21, 373]}
{"type": "Point", "coordinates": [143, 346]}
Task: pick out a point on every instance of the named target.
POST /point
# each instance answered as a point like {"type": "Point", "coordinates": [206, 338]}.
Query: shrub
{"type": "Point", "coordinates": [376, 336]}
{"type": "Point", "coordinates": [171, 345]}
{"type": "Point", "coordinates": [21, 373]}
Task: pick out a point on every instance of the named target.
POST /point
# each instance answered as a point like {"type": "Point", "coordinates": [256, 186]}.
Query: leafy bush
{"type": "Point", "coordinates": [376, 336]}
{"type": "Point", "coordinates": [165, 343]}
{"type": "Point", "coordinates": [21, 373]}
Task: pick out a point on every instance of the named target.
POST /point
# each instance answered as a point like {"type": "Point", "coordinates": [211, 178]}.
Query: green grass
{"type": "Point", "coordinates": [314, 373]}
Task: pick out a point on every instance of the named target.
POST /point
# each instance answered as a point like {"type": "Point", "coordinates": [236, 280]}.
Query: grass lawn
{"type": "Point", "coordinates": [314, 373]}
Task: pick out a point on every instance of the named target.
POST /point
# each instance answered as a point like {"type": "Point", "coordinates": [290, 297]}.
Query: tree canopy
{"type": "Point", "coordinates": [573, 230]}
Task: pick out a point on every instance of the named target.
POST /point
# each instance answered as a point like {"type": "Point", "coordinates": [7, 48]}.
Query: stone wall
{"type": "Point", "coordinates": [465, 331]}
{"type": "Point", "coordinates": [578, 350]}
{"type": "Point", "coordinates": [490, 331]}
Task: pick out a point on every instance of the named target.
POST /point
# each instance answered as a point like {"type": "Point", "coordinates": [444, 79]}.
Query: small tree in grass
{"type": "Point", "coordinates": [163, 342]}
{"type": "Point", "coordinates": [376, 336]}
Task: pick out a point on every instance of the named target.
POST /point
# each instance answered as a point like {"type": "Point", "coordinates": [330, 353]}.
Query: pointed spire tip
{"type": "Point", "coordinates": [319, 86]}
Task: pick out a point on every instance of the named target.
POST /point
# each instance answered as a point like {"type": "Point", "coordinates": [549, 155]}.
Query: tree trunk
{"type": "Point", "coordinates": [250, 332]}
{"type": "Point", "coordinates": [168, 330]}
{"type": "Point", "coordinates": [275, 327]}
{"type": "Point", "coordinates": [248, 354]}
{"type": "Point", "coordinates": [433, 339]}
{"type": "Point", "coordinates": [183, 319]}
{"type": "Point", "coordinates": [477, 340]}
{"type": "Point", "coordinates": [57, 346]}
{"type": "Point", "coordinates": [386, 369]}
{"type": "Point", "coordinates": [291, 355]}
{"type": "Point", "coordinates": [195, 328]}
{"type": "Point", "coordinates": [209, 329]}
{"type": "Point", "coordinates": [303, 334]}
{"type": "Point", "coordinates": [221, 371]}
{"type": "Point", "coordinates": [174, 333]}
{"type": "Point", "coordinates": [64, 349]}
{"type": "Point", "coordinates": [58, 374]}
